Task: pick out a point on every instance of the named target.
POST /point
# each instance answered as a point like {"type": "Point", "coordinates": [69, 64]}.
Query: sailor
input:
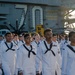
{"type": "Point", "coordinates": [21, 40]}
{"type": "Point", "coordinates": [68, 61]}
{"type": "Point", "coordinates": [58, 56]}
{"type": "Point", "coordinates": [47, 53]}
{"type": "Point", "coordinates": [54, 40]}
{"type": "Point", "coordinates": [64, 41]}
{"type": "Point", "coordinates": [8, 55]}
{"type": "Point", "coordinates": [33, 36]}
{"type": "Point", "coordinates": [36, 43]}
{"type": "Point", "coordinates": [26, 55]}
{"type": "Point", "coordinates": [15, 39]}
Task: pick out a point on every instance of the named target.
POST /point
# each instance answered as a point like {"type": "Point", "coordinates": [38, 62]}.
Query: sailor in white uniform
{"type": "Point", "coordinates": [26, 55]}
{"type": "Point", "coordinates": [64, 41]}
{"type": "Point", "coordinates": [21, 40]}
{"type": "Point", "coordinates": [59, 58]}
{"type": "Point", "coordinates": [47, 53]}
{"type": "Point", "coordinates": [8, 55]}
{"type": "Point", "coordinates": [36, 43]}
{"type": "Point", "coordinates": [58, 55]}
{"type": "Point", "coordinates": [19, 43]}
{"type": "Point", "coordinates": [68, 62]}
{"type": "Point", "coordinates": [15, 39]}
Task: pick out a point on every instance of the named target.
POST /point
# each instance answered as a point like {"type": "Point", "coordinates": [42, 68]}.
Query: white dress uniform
{"type": "Point", "coordinates": [68, 64]}
{"type": "Point", "coordinates": [59, 58]}
{"type": "Point", "coordinates": [8, 57]}
{"type": "Point", "coordinates": [38, 62]}
{"type": "Point", "coordinates": [16, 42]}
{"type": "Point", "coordinates": [62, 44]}
{"type": "Point", "coordinates": [1, 41]}
{"type": "Point", "coordinates": [35, 44]}
{"type": "Point", "coordinates": [47, 54]}
{"type": "Point", "coordinates": [0, 72]}
{"type": "Point", "coordinates": [20, 43]}
{"type": "Point", "coordinates": [26, 61]}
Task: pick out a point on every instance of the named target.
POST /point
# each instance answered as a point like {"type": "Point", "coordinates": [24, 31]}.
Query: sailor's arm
{"type": "Point", "coordinates": [38, 59]}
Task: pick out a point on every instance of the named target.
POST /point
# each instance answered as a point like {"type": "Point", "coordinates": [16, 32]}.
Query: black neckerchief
{"type": "Point", "coordinates": [22, 41]}
{"type": "Point", "coordinates": [71, 48]}
{"type": "Point", "coordinates": [10, 47]}
{"type": "Point", "coordinates": [29, 51]}
{"type": "Point", "coordinates": [16, 43]}
{"type": "Point", "coordinates": [48, 49]}
{"type": "Point", "coordinates": [37, 43]}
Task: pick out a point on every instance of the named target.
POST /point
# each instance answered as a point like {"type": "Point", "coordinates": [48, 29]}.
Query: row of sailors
{"type": "Point", "coordinates": [32, 58]}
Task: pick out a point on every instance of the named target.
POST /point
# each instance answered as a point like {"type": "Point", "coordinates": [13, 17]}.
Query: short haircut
{"type": "Point", "coordinates": [8, 33]}
{"type": "Point", "coordinates": [15, 35]}
{"type": "Point", "coordinates": [20, 35]}
{"type": "Point", "coordinates": [71, 34]}
{"type": "Point", "coordinates": [62, 35]}
{"type": "Point", "coordinates": [33, 34]}
{"type": "Point", "coordinates": [36, 34]}
{"type": "Point", "coordinates": [47, 30]}
{"type": "Point", "coordinates": [26, 35]}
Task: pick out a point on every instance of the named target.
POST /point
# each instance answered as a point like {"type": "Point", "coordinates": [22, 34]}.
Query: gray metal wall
{"type": "Point", "coordinates": [51, 17]}
{"type": "Point", "coordinates": [46, 2]}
